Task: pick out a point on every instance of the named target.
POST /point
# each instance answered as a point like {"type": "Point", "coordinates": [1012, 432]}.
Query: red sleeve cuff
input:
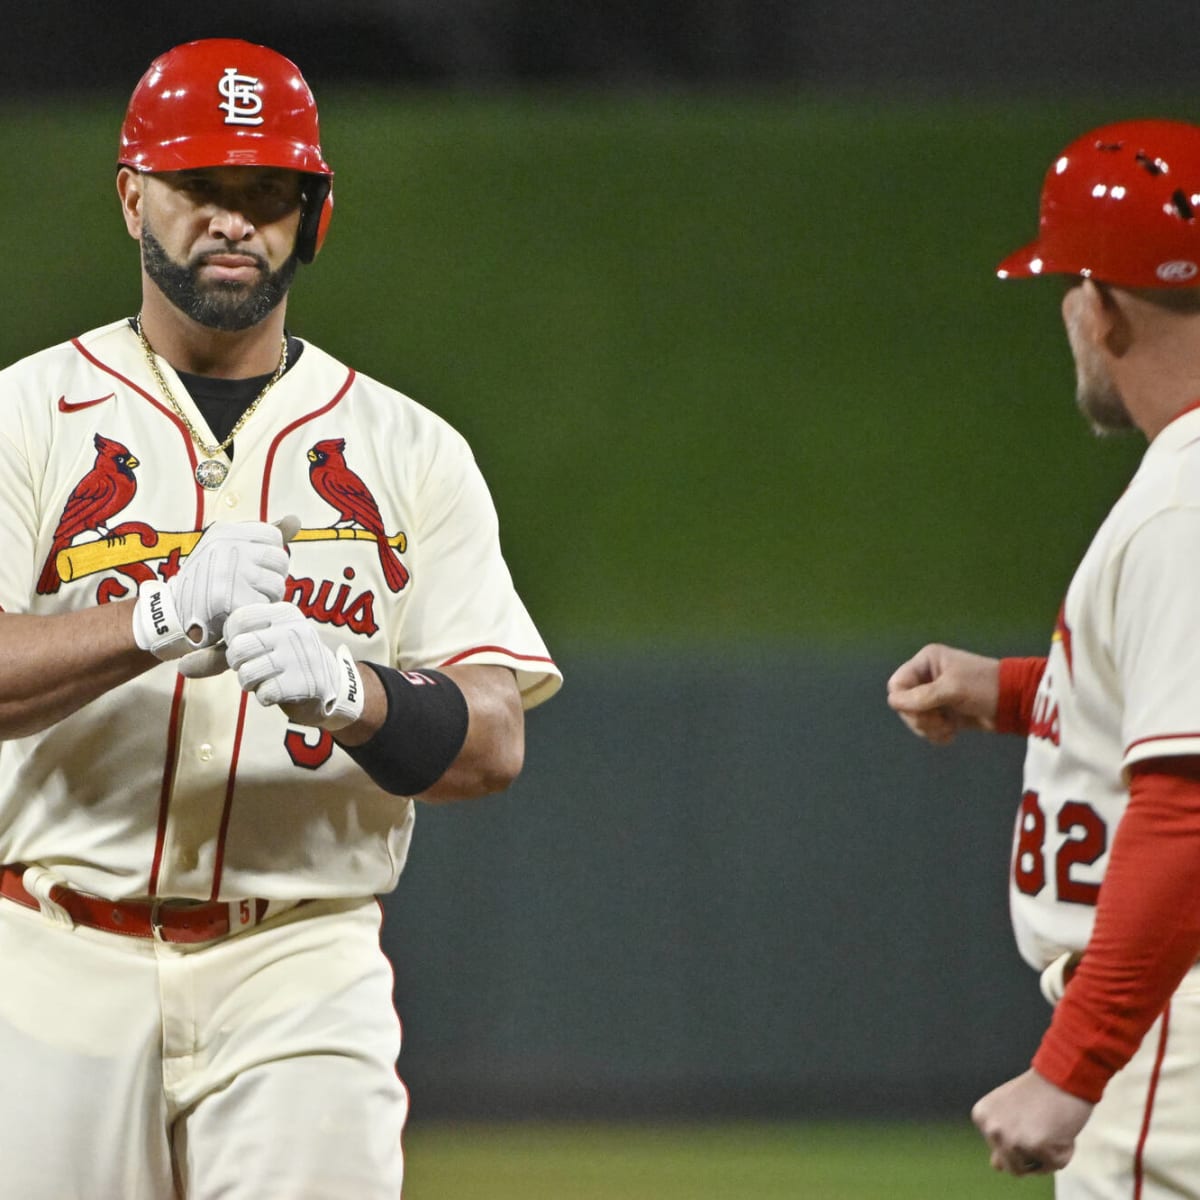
{"type": "Point", "coordinates": [1019, 679]}
{"type": "Point", "coordinates": [1082, 1072]}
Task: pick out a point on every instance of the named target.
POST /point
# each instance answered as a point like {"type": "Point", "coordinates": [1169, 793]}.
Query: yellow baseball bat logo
{"type": "Point", "coordinates": [106, 554]}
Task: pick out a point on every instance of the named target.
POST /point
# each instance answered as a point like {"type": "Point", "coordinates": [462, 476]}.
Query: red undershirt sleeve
{"type": "Point", "coordinates": [1146, 936]}
{"type": "Point", "coordinates": [1019, 679]}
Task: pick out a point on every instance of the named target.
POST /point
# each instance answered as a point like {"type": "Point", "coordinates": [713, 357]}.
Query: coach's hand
{"type": "Point", "coordinates": [279, 656]}
{"type": "Point", "coordinates": [941, 690]}
{"type": "Point", "coordinates": [1030, 1124]}
{"type": "Point", "coordinates": [233, 564]}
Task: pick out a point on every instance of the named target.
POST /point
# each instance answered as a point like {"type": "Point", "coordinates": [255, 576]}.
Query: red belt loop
{"type": "Point", "coordinates": [179, 922]}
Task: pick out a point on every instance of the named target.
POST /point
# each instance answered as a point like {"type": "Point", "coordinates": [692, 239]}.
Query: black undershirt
{"type": "Point", "coordinates": [222, 401]}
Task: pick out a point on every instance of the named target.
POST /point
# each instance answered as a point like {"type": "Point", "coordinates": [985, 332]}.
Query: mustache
{"type": "Point", "coordinates": [206, 256]}
{"type": "Point", "coordinates": [217, 306]}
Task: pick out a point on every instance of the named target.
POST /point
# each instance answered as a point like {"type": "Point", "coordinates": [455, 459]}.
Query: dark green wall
{"type": "Point", "coordinates": [721, 887]}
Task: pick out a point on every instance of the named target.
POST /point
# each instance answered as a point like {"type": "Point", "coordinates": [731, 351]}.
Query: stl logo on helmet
{"type": "Point", "coordinates": [242, 103]}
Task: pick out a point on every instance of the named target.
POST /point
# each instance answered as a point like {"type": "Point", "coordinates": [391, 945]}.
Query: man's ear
{"type": "Point", "coordinates": [1104, 319]}
{"type": "Point", "coordinates": [131, 190]}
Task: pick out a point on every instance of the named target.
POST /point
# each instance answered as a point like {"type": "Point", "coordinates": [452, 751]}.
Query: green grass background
{"type": "Point", "coordinates": [876, 1161]}
{"type": "Point", "coordinates": [737, 369]}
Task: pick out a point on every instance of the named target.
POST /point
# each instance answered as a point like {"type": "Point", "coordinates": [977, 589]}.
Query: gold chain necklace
{"type": "Point", "coordinates": [210, 471]}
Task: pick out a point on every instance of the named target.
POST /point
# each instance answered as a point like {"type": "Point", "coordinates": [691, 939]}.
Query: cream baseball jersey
{"type": "Point", "coordinates": [189, 788]}
{"type": "Point", "coordinates": [1121, 685]}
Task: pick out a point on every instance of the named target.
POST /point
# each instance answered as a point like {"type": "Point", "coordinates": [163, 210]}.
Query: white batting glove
{"type": "Point", "coordinates": [279, 656]}
{"type": "Point", "coordinates": [233, 564]}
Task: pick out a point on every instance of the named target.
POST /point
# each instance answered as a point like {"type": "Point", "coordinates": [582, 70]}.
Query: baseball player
{"type": "Point", "coordinates": [253, 603]}
{"type": "Point", "coordinates": [1105, 881]}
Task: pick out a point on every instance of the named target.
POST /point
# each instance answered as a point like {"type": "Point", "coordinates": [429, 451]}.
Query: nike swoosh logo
{"type": "Point", "coordinates": [65, 405]}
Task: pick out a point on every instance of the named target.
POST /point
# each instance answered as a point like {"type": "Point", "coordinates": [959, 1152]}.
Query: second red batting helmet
{"type": "Point", "coordinates": [1122, 205]}
{"type": "Point", "coordinates": [228, 103]}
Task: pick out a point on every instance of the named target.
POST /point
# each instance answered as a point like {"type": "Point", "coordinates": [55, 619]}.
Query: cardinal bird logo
{"type": "Point", "coordinates": [338, 486]}
{"type": "Point", "coordinates": [106, 489]}
{"type": "Point", "coordinates": [1062, 633]}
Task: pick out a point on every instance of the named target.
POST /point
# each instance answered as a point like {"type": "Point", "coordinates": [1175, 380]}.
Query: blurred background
{"type": "Point", "coordinates": [709, 287]}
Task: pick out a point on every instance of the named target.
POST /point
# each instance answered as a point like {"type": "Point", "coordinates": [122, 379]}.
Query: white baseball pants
{"type": "Point", "coordinates": [1142, 1141]}
{"type": "Point", "coordinates": [258, 1067]}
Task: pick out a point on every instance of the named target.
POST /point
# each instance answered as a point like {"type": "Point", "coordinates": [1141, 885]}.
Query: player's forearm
{"type": "Point", "coordinates": [1146, 936]}
{"type": "Point", "coordinates": [489, 754]}
{"type": "Point", "coordinates": [494, 751]}
{"type": "Point", "coordinates": [54, 665]}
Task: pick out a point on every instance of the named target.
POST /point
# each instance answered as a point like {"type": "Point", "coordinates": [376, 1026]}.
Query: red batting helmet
{"type": "Point", "coordinates": [1121, 204]}
{"type": "Point", "coordinates": [227, 103]}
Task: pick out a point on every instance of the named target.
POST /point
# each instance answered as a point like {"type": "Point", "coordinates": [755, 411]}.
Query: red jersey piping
{"type": "Point", "coordinates": [278, 438]}
{"type": "Point", "coordinates": [162, 408]}
{"type": "Point", "coordinates": [219, 864]}
{"type": "Point", "coordinates": [172, 748]}
{"type": "Point", "coordinates": [231, 783]}
{"type": "Point", "coordinates": [164, 798]}
{"type": "Point", "coordinates": [538, 658]}
{"type": "Point", "coordinates": [1161, 737]}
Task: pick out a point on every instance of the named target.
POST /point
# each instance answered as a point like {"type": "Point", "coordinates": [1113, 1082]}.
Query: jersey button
{"type": "Point", "coordinates": [231, 500]}
{"type": "Point", "coordinates": [205, 752]}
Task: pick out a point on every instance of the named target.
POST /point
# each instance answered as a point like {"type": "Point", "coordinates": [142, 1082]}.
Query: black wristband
{"type": "Point", "coordinates": [421, 736]}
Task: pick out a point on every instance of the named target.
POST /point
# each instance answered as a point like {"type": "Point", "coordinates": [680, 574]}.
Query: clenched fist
{"type": "Point", "coordinates": [280, 657]}
{"type": "Point", "coordinates": [233, 564]}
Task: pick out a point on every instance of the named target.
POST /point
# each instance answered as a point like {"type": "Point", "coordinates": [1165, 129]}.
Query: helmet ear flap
{"type": "Point", "coordinates": [314, 221]}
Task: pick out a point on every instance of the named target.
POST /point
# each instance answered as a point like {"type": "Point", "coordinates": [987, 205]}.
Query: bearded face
{"type": "Point", "coordinates": [1096, 395]}
{"type": "Point", "coordinates": [216, 303]}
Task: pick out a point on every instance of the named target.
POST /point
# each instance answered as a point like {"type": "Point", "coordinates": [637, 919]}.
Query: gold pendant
{"type": "Point", "coordinates": [210, 473]}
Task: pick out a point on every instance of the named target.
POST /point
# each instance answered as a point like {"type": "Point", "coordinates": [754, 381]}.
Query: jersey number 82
{"type": "Point", "coordinates": [1087, 840]}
